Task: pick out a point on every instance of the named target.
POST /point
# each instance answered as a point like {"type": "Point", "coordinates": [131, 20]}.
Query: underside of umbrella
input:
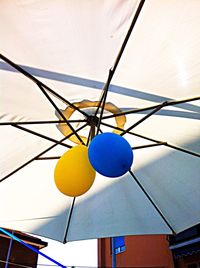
{"type": "Point", "coordinates": [70, 70]}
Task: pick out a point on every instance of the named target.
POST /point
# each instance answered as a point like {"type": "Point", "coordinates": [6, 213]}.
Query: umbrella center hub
{"type": "Point", "coordinates": [92, 120]}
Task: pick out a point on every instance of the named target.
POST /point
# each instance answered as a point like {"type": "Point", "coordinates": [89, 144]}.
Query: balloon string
{"type": "Point", "coordinates": [30, 247]}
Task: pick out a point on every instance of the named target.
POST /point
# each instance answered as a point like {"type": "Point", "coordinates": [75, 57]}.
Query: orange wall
{"type": "Point", "coordinates": [141, 251]}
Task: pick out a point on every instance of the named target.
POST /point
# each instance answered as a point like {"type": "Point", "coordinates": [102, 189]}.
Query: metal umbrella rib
{"type": "Point", "coordinates": [152, 202]}
{"type": "Point", "coordinates": [113, 69]}
{"type": "Point", "coordinates": [154, 140]}
{"type": "Point", "coordinates": [144, 118]}
{"type": "Point", "coordinates": [40, 122]}
{"type": "Point", "coordinates": [69, 220]}
{"type": "Point", "coordinates": [41, 135]}
{"type": "Point", "coordinates": [36, 81]}
{"type": "Point", "coordinates": [38, 155]}
{"type": "Point", "coordinates": [59, 112]}
{"type": "Point", "coordinates": [165, 104]}
{"type": "Point", "coordinates": [90, 136]}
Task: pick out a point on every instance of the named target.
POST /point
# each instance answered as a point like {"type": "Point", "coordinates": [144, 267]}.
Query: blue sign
{"type": "Point", "coordinates": [119, 244]}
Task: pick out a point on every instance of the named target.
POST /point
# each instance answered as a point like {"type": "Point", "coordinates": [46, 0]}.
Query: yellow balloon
{"type": "Point", "coordinates": [74, 175]}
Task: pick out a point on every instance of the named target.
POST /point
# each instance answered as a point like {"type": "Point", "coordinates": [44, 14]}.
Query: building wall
{"type": "Point", "coordinates": [141, 251]}
{"type": "Point", "coordinates": [190, 261]}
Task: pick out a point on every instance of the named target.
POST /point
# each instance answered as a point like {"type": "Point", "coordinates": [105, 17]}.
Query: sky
{"type": "Point", "coordinates": [79, 253]}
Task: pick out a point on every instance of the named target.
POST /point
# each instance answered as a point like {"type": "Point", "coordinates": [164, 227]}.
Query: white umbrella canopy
{"type": "Point", "coordinates": [67, 49]}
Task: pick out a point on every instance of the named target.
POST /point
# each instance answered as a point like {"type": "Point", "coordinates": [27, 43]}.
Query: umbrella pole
{"type": "Point", "coordinates": [9, 251]}
{"type": "Point", "coordinates": [113, 253]}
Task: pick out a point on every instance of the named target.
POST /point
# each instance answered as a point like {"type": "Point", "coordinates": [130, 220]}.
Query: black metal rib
{"type": "Point", "coordinates": [91, 134]}
{"type": "Point", "coordinates": [156, 141]}
{"type": "Point", "coordinates": [41, 136]}
{"type": "Point", "coordinates": [167, 145]}
{"type": "Point", "coordinates": [68, 223]}
{"type": "Point", "coordinates": [113, 69]}
{"type": "Point", "coordinates": [168, 103]}
{"type": "Point", "coordinates": [100, 99]}
{"type": "Point", "coordinates": [105, 89]}
{"type": "Point", "coordinates": [137, 13]}
{"type": "Point", "coordinates": [88, 139]}
{"type": "Point", "coordinates": [149, 145]}
{"type": "Point", "coordinates": [36, 81]}
{"type": "Point", "coordinates": [48, 158]}
{"type": "Point", "coordinates": [103, 100]}
{"type": "Point", "coordinates": [38, 155]}
{"type": "Point", "coordinates": [40, 122]}
{"type": "Point", "coordinates": [182, 150]}
{"type": "Point", "coordinates": [144, 118]}
{"type": "Point", "coordinates": [59, 112]}
{"type": "Point", "coordinates": [152, 202]}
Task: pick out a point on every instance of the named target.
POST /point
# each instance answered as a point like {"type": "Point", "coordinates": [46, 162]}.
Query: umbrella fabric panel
{"type": "Point", "coordinates": [58, 42]}
{"type": "Point", "coordinates": [165, 69]}
{"type": "Point", "coordinates": [176, 126]}
{"type": "Point", "coordinates": [172, 180]}
{"type": "Point", "coordinates": [128, 77]}
{"type": "Point", "coordinates": [79, 38]}
{"type": "Point", "coordinates": [161, 57]}
{"type": "Point", "coordinates": [21, 99]}
{"type": "Point", "coordinates": [113, 207]}
{"type": "Point", "coordinates": [30, 202]}
{"type": "Point", "coordinates": [17, 148]}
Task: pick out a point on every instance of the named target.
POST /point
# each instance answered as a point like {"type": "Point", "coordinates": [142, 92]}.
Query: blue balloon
{"type": "Point", "coordinates": [110, 154]}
